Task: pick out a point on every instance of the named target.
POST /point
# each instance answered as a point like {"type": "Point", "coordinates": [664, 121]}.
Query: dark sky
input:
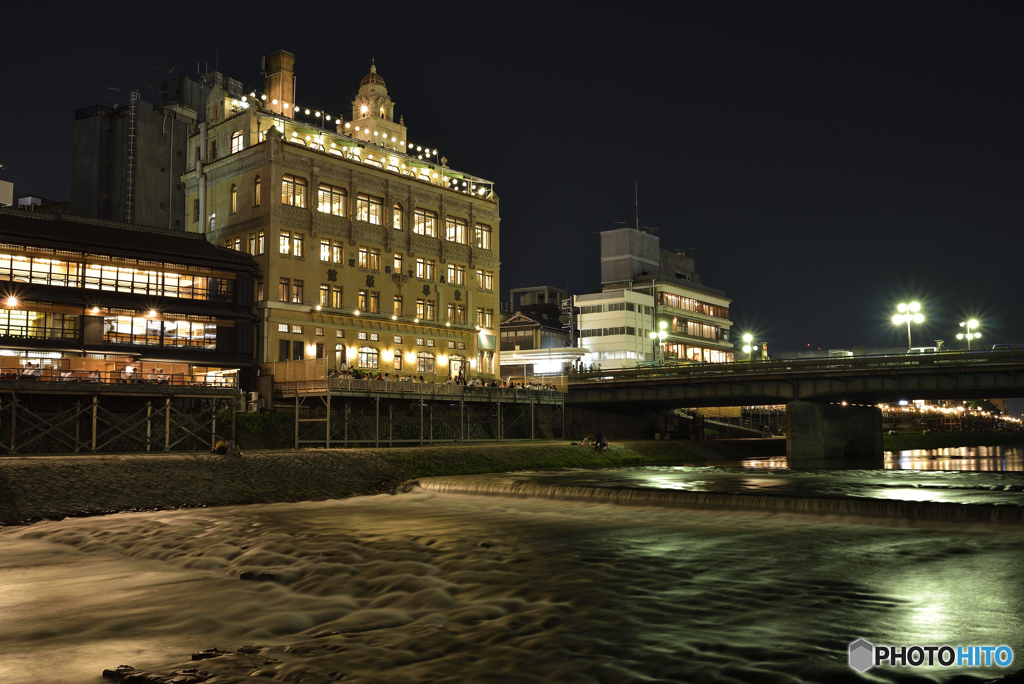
{"type": "Point", "coordinates": [823, 161]}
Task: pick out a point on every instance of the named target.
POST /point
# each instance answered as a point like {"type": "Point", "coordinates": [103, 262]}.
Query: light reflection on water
{"type": "Point", "coordinates": [1002, 458]}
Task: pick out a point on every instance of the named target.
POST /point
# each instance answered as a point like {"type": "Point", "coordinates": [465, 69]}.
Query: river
{"type": "Point", "coordinates": [439, 586]}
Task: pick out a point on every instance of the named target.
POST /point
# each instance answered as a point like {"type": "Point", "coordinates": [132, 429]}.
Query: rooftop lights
{"type": "Point", "coordinates": [356, 312]}
{"type": "Point", "coordinates": [307, 112]}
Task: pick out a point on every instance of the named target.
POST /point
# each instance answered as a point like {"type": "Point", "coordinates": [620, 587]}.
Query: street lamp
{"type": "Point", "coordinates": [969, 325]}
{"type": "Point", "coordinates": [748, 338]}
{"type": "Point", "coordinates": [655, 336]}
{"type": "Point", "coordinates": [907, 313]}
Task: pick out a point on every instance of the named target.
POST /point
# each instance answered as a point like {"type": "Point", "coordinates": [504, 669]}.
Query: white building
{"type": "Point", "coordinates": [648, 289]}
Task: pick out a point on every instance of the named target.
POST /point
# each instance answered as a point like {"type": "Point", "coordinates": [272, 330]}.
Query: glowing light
{"type": "Point", "coordinates": [12, 301]}
{"type": "Point", "coordinates": [318, 307]}
{"type": "Point", "coordinates": [356, 312]}
{"type": "Point", "coordinates": [95, 309]}
{"type": "Point", "coordinates": [349, 126]}
{"type": "Point", "coordinates": [748, 338]}
{"type": "Point", "coordinates": [264, 98]}
{"type": "Point", "coordinates": [274, 101]}
{"type": "Point", "coordinates": [307, 112]}
{"type": "Point", "coordinates": [152, 313]}
{"type": "Point", "coordinates": [364, 109]}
{"type": "Point", "coordinates": [333, 146]}
{"type": "Point", "coordinates": [317, 114]}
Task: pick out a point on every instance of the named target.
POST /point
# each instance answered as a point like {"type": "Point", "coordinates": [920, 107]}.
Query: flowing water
{"type": "Point", "coordinates": [435, 586]}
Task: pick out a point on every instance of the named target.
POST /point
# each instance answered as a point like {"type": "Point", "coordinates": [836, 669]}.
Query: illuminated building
{"type": "Point", "coordinates": [80, 295]}
{"type": "Point", "coordinates": [645, 290]}
{"type": "Point", "coordinates": [374, 253]}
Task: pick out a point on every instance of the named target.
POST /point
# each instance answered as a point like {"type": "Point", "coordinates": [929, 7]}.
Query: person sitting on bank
{"type": "Point", "coordinates": [600, 443]}
{"type": "Point", "coordinates": [587, 441]}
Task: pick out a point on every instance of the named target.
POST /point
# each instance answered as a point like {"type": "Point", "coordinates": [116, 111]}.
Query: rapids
{"type": "Point", "coordinates": [451, 587]}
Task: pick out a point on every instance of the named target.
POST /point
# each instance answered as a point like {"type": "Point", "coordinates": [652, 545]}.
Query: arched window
{"type": "Point", "coordinates": [383, 114]}
{"type": "Point", "coordinates": [234, 198]}
{"type": "Point", "coordinates": [236, 142]}
{"type": "Point", "coordinates": [424, 362]}
{"type": "Point", "coordinates": [256, 192]}
{"type": "Point", "coordinates": [396, 216]}
{"type": "Point", "coordinates": [368, 357]}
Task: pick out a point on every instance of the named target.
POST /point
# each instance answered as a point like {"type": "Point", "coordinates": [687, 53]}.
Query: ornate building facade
{"type": "Point", "coordinates": [373, 252]}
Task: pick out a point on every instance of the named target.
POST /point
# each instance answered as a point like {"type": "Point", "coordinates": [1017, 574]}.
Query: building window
{"type": "Point", "coordinates": [283, 350]}
{"type": "Point", "coordinates": [325, 250]}
{"type": "Point", "coordinates": [364, 300]}
{"type": "Point", "coordinates": [325, 295]}
{"type": "Point", "coordinates": [480, 317]}
{"type": "Point", "coordinates": [336, 297]}
{"type": "Point", "coordinates": [293, 191]}
{"type": "Point", "coordinates": [296, 292]}
{"type": "Point", "coordinates": [259, 290]}
{"type": "Point", "coordinates": [426, 309]}
{"type": "Point", "coordinates": [369, 258]}
{"type": "Point", "coordinates": [489, 318]}
{"type": "Point", "coordinates": [482, 236]}
{"type": "Point", "coordinates": [375, 302]}
{"type": "Point", "coordinates": [398, 361]}
{"type": "Point", "coordinates": [256, 193]}
{"type": "Point", "coordinates": [369, 208]}
{"type": "Point", "coordinates": [398, 264]}
{"type": "Point", "coordinates": [455, 230]}
{"type": "Point", "coordinates": [419, 342]}
{"type": "Point", "coordinates": [282, 327]}
{"type": "Point", "coordinates": [374, 337]}
{"type": "Point", "coordinates": [234, 199]}
{"type": "Point", "coordinates": [261, 241]}
{"type": "Point", "coordinates": [213, 221]}
{"type": "Point", "coordinates": [485, 280]}
{"type": "Point", "coordinates": [195, 211]}
{"type": "Point", "coordinates": [425, 223]}
{"type": "Point", "coordinates": [283, 286]}
{"type": "Point", "coordinates": [236, 142]}
{"type": "Point", "coordinates": [396, 216]}
{"type": "Point", "coordinates": [319, 333]}
{"type": "Point", "coordinates": [319, 350]}
{"type": "Point", "coordinates": [456, 274]}
{"type": "Point", "coordinates": [424, 362]}
{"type": "Point", "coordinates": [425, 268]}
{"type": "Point", "coordinates": [297, 244]}
{"type": "Point", "coordinates": [398, 339]}
{"type": "Point", "coordinates": [337, 252]}
{"type": "Point", "coordinates": [361, 336]}
{"type": "Point", "coordinates": [339, 333]}
{"type": "Point", "coordinates": [252, 243]}
{"type": "Point", "coordinates": [297, 329]}
{"type": "Point", "coordinates": [451, 344]}
{"type": "Point", "coordinates": [398, 305]}
{"type": "Point", "coordinates": [285, 242]}
{"type": "Point", "coordinates": [368, 357]}
{"type": "Point", "coordinates": [331, 200]}
{"type": "Point", "coordinates": [457, 314]}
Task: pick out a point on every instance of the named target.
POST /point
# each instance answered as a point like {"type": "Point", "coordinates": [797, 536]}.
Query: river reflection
{"type": "Point", "coordinates": [993, 459]}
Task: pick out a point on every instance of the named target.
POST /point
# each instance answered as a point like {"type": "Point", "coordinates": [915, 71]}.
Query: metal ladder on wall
{"type": "Point", "coordinates": [129, 203]}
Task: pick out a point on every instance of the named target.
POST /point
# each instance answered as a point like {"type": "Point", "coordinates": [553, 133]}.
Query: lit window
{"type": "Point", "coordinates": [375, 303]}
{"type": "Point", "coordinates": [293, 191]}
{"type": "Point", "coordinates": [336, 297]}
{"type": "Point", "coordinates": [297, 329]}
{"type": "Point", "coordinates": [297, 292]}
{"type": "Point", "coordinates": [398, 339]}
{"type": "Point", "coordinates": [283, 286]}
{"type": "Point", "coordinates": [425, 223]}
{"type": "Point", "coordinates": [368, 357]}
{"type": "Point", "coordinates": [285, 242]}
{"type": "Point", "coordinates": [297, 244]}
{"type": "Point", "coordinates": [425, 362]}
{"type": "Point", "coordinates": [320, 332]}
{"type": "Point", "coordinates": [456, 274]}
{"type": "Point", "coordinates": [256, 192]}
{"type": "Point", "coordinates": [374, 337]}
{"type": "Point", "coordinates": [331, 200]}
{"type": "Point", "coordinates": [282, 327]}
{"type": "Point", "coordinates": [398, 263]}
{"type": "Point", "coordinates": [398, 305]}
{"type": "Point", "coordinates": [482, 236]}
{"type": "Point", "coordinates": [361, 335]}
{"type": "Point", "coordinates": [396, 216]}
{"type": "Point", "coordinates": [337, 252]}
{"type": "Point", "coordinates": [325, 295]}
{"type": "Point", "coordinates": [425, 268]}
{"type": "Point", "coordinates": [455, 230]}
{"type": "Point", "coordinates": [260, 242]}
{"type": "Point", "coordinates": [236, 142]}
{"type": "Point", "coordinates": [485, 280]}
{"type": "Point", "coordinates": [252, 243]}
{"type": "Point", "coordinates": [234, 199]}
{"type": "Point", "coordinates": [339, 333]}
{"type": "Point", "coordinates": [325, 250]}
{"type": "Point", "coordinates": [369, 208]}
{"type": "Point", "coordinates": [364, 299]}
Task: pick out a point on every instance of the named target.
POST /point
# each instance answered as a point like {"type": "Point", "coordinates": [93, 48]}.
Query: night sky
{"type": "Point", "coordinates": [823, 162]}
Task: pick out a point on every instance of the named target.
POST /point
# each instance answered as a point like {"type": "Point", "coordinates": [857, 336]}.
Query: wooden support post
{"type": "Point", "coordinates": [14, 423]}
{"type": "Point", "coordinates": [327, 444]}
{"type": "Point", "coordinates": [213, 427]}
{"type": "Point", "coordinates": [462, 416]}
{"type": "Point", "coordinates": [78, 425]}
{"type": "Point", "coordinates": [346, 423]}
{"type": "Point", "coordinates": [167, 424]}
{"type": "Point", "coordinates": [149, 424]}
{"type": "Point", "coordinates": [296, 419]}
{"type": "Point", "coordinates": [430, 413]}
{"type": "Point", "coordinates": [421, 421]}
{"type": "Point", "coordinates": [376, 428]}
{"type": "Point", "coordinates": [533, 403]}
{"type": "Point", "coordinates": [391, 425]}
{"type": "Point", "coordinates": [95, 409]}
{"type": "Point", "coordinates": [498, 435]}
{"type": "Point", "coordinates": [234, 409]}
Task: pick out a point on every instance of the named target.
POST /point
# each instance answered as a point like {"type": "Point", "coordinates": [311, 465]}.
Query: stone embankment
{"type": "Point", "coordinates": [54, 487]}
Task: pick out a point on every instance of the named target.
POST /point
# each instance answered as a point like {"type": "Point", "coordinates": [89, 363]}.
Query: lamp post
{"type": "Point", "coordinates": [657, 336]}
{"type": "Point", "coordinates": [748, 339]}
{"type": "Point", "coordinates": [968, 325]}
{"type": "Point", "coordinates": [907, 313]}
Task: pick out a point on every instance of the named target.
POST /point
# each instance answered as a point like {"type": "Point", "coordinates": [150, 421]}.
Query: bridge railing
{"type": "Point", "coordinates": [946, 359]}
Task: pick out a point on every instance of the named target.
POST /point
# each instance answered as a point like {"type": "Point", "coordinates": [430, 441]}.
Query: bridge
{"type": "Point", "coordinates": [831, 410]}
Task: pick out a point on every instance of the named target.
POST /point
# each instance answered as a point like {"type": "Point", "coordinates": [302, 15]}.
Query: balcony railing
{"type": "Point", "coordinates": [53, 375]}
{"type": "Point", "coordinates": [442, 391]}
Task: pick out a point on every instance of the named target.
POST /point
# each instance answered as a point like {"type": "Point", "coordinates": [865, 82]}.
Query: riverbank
{"type": "Point", "coordinates": [53, 487]}
{"type": "Point", "coordinates": [942, 440]}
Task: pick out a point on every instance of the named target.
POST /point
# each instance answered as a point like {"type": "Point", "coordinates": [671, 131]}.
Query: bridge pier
{"type": "Point", "coordinates": [823, 435]}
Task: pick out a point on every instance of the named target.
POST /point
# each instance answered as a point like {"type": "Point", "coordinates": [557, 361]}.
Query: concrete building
{"type": "Point", "coordinates": [647, 289]}
{"type": "Point", "coordinates": [127, 162]}
{"type": "Point", "coordinates": [374, 253]}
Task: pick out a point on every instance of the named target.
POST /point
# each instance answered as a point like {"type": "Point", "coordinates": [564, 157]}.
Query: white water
{"type": "Point", "coordinates": [448, 587]}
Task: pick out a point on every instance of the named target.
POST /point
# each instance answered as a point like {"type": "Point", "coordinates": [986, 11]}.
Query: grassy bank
{"type": "Point", "coordinates": [945, 440]}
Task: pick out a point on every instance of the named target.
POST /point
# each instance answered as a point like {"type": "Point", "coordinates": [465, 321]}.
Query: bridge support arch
{"type": "Point", "coordinates": [823, 435]}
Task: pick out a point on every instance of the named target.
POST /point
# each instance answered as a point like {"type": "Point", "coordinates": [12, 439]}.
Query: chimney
{"type": "Point", "coordinates": [279, 84]}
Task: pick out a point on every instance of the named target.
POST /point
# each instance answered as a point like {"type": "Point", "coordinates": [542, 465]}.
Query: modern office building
{"type": "Point", "coordinates": [645, 290]}
{"type": "Point", "coordinates": [373, 252]}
